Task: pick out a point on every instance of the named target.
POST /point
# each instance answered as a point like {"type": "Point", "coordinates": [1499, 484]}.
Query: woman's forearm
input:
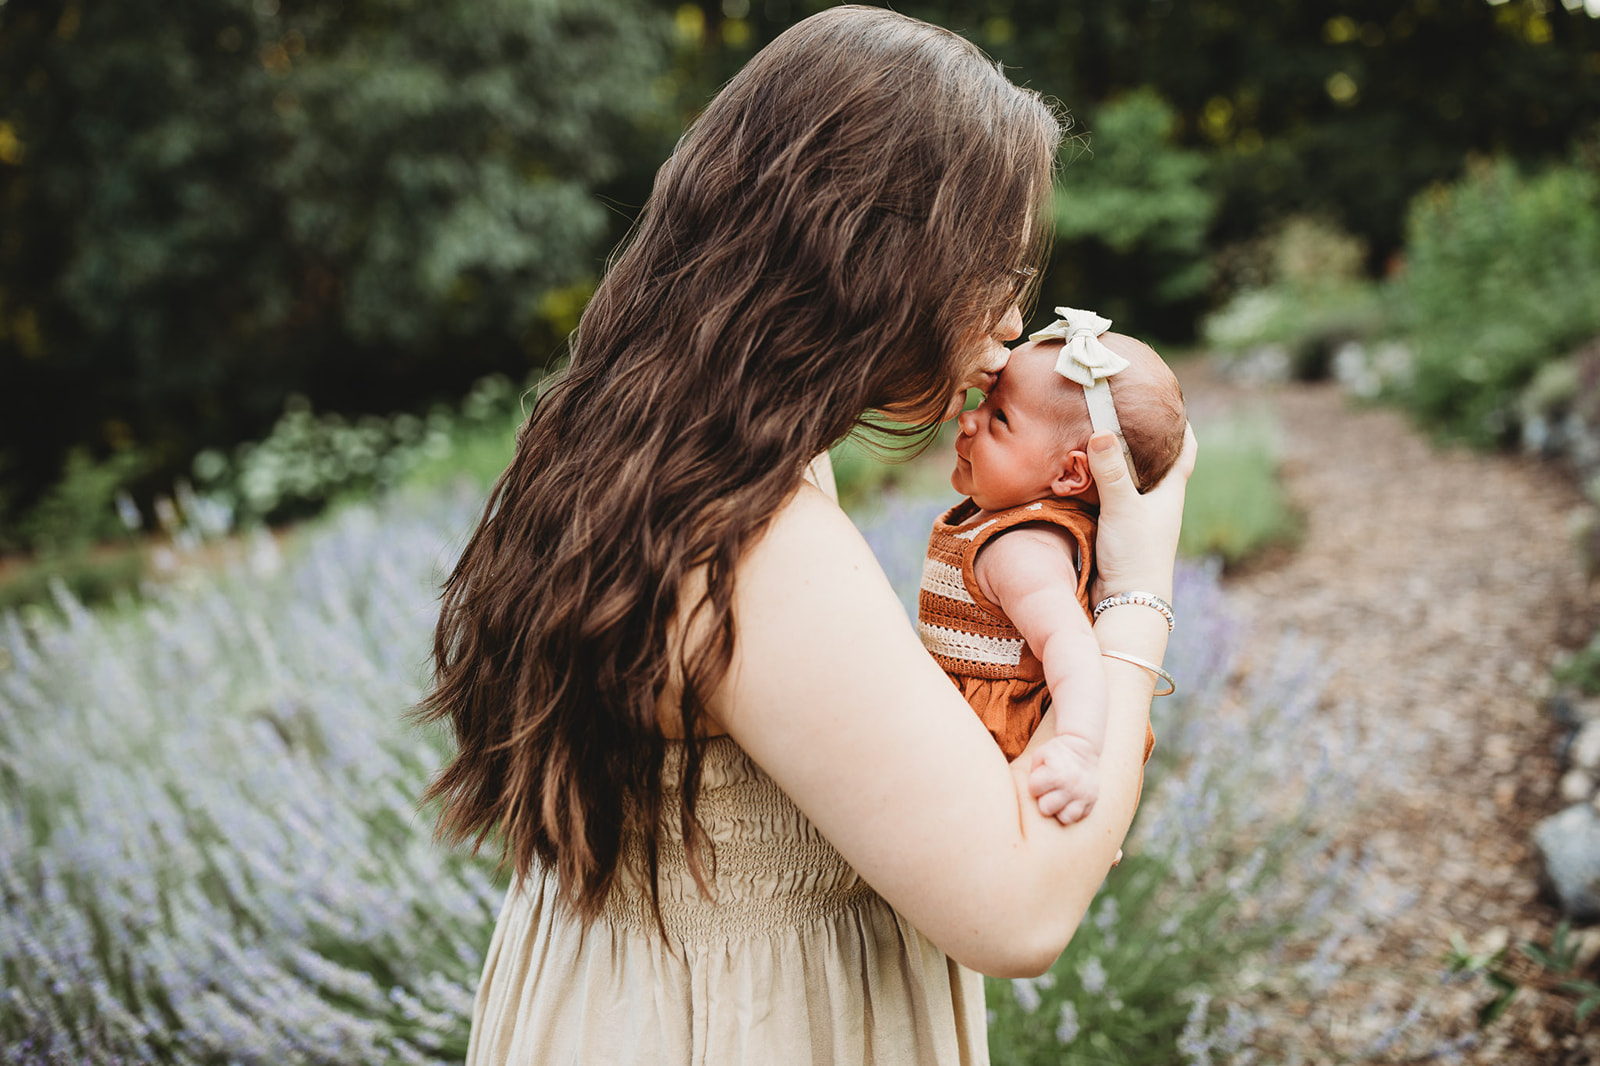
{"type": "Point", "coordinates": [1050, 905]}
{"type": "Point", "coordinates": [833, 695]}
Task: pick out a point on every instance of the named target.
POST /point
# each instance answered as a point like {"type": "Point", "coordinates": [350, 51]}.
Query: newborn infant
{"type": "Point", "coordinates": [1004, 606]}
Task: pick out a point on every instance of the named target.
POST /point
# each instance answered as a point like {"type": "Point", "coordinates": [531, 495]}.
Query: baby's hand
{"type": "Point", "coordinates": [1065, 778]}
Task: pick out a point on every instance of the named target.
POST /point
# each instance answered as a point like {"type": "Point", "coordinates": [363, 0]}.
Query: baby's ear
{"type": "Point", "coordinates": [1075, 476]}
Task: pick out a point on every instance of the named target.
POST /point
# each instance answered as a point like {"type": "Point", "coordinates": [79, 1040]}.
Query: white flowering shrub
{"type": "Point", "coordinates": [310, 460]}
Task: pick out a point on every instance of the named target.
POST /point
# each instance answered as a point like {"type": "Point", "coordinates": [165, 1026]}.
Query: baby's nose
{"type": "Point", "coordinates": [967, 422]}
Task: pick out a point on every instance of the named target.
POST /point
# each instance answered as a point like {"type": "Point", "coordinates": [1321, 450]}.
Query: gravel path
{"type": "Point", "coordinates": [1441, 584]}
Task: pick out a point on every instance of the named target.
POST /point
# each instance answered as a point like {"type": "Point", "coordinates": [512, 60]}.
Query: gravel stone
{"type": "Point", "coordinates": [1586, 747]}
{"type": "Point", "coordinates": [1576, 785]}
{"type": "Point", "coordinates": [1443, 584]}
{"type": "Point", "coordinates": [1583, 710]}
{"type": "Point", "coordinates": [1570, 844]}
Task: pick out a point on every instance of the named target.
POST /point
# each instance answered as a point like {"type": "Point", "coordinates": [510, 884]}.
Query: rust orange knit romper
{"type": "Point", "coordinates": [972, 639]}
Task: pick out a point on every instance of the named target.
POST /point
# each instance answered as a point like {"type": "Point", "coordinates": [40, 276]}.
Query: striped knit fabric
{"type": "Point", "coordinates": [967, 633]}
{"type": "Point", "coordinates": [970, 637]}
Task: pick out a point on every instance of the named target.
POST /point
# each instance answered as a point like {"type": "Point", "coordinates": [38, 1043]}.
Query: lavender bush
{"type": "Point", "coordinates": [208, 845]}
{"type": "Point", "coordinates": [209, 850]}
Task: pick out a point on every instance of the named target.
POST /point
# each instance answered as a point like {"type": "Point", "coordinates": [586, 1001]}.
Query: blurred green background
{"type": "Point", "coordinates": [275, 246]}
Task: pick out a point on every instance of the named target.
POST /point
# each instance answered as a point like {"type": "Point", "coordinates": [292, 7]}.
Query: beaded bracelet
{"type": "Point", "coordinates": [1143, 599]}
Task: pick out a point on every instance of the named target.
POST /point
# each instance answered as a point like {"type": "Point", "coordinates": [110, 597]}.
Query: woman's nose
{"type": "Point", "coordinates": [1010, 326]}
{"type": "Point", "coordinates": [996, 361]}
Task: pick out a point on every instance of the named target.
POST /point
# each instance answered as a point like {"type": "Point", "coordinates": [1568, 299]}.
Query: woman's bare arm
{"type": "Point", "coordinates": [831, 692]}
{"type": "Point", "coordinates": [834, 696]}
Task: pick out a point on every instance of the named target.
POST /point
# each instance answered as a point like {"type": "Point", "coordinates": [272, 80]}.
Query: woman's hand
{"type": "Point", "coordinates": [1137, 541]}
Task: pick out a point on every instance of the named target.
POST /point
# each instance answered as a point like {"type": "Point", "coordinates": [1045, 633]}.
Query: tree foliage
{"type": "Point", "coordinates": [1502, 278]}
{"type": "Point", "coordinates": [1342, 109]}
{"type": "Point", "coordinates": [208, 205]}
{"type": "Point", "coordinates": [1132, 213]}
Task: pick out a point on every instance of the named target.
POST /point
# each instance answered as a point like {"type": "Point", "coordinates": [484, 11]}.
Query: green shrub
{"type": "Point", "coordinates": [1302, 290]}
{"type": "Point", "coordinates": [82, 507]}
{"type": "Point", "coordinates": [89, 577]}
{"type": "Point", "coordinates": [476, 452]}
{"type": "Point", "coordinates": [1235, 507]}
{"type": "Point", "coordinates": [76, 537]}
{"type": "Point", "coordinates": [79, 535]}
{"type": "Point", "coordinates": [1132, 214]}
{"type": "Point", "coordinates": [1502, 276]}
{"type": "Point", "coordinates": [309, 461]}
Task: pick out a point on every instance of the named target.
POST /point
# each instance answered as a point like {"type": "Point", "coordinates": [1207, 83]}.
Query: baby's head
{"type": "Point", "coordinates": [1029, 438]}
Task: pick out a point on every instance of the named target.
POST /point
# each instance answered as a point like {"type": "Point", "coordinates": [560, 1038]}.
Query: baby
{"type": "Point", "coordinates": [1004, 605]}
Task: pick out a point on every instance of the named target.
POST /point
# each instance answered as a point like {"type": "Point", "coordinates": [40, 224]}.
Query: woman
{"type": "Point", "coordinates": [686, 701]}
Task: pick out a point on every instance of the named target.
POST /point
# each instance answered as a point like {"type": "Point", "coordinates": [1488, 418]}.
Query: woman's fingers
{"type": "Point", "coordinates": [1111, 475]}
{"type": "Point", "coordinates": [1138, 534]}
{"type": "Point", "coordinates": [1190, 452]}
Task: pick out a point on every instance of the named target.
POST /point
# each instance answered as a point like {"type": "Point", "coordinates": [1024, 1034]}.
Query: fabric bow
{"type": "Point", "coordinates": [1083, 358]}
{"type": "Point", "coordinates": [1088, 362]}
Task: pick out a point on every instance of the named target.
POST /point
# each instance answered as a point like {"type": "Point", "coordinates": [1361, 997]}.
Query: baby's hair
{"type": "Point", "coordinates": [1150, 409]}
{"type": "Point", "coordinates": [1153, 421]}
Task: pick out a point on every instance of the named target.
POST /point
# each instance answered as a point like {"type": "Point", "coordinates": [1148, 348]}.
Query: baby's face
{"type": "Point", "coordinates": [1013, 447]}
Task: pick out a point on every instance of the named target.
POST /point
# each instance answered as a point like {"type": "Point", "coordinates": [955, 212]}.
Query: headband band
{"type": "Point", "coordinates": [1085, 360]}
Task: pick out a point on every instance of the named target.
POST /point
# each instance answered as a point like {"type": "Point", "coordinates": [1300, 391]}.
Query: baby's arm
{"type": "Point", "coordinates": [1029, 573]}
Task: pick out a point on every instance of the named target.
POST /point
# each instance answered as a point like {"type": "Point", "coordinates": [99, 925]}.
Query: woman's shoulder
{"type": "Point", "coordinates": [808, 518]}
{"type": "Point", "coordinates": [807, 542]}
{"type": "Point", "coordinates": [809, 567]}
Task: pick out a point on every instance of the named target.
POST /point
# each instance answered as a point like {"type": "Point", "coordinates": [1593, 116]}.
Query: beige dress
{"type": "Point", "coordinates": [798, 960]}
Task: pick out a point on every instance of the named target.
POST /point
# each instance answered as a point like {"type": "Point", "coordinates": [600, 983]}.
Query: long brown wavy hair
{"type": "Point", "coordinates": [832, 236]}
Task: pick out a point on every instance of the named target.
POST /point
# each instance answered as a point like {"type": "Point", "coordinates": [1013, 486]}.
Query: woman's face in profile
{"type": "Point", "coordinates": [986, 359]}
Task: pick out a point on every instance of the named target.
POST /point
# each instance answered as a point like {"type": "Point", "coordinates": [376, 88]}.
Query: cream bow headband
{"type": "Point", "coordinates": [1088, 362]}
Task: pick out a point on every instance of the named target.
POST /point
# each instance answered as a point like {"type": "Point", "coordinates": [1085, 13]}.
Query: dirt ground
{"type": "Point", "coordinates": [1441, 584]}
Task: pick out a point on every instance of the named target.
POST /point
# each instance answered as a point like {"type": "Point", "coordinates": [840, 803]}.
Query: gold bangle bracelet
{"type": "Point", "coordinates": [1172, 686]}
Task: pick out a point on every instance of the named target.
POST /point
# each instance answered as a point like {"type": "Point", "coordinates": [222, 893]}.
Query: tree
{"type": "Point", "coordinates": [1132, 215]}
{"type": "Point", "coordinates": [1343, 109]}
{"type": "Point", "coordinates": [210, 204]}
